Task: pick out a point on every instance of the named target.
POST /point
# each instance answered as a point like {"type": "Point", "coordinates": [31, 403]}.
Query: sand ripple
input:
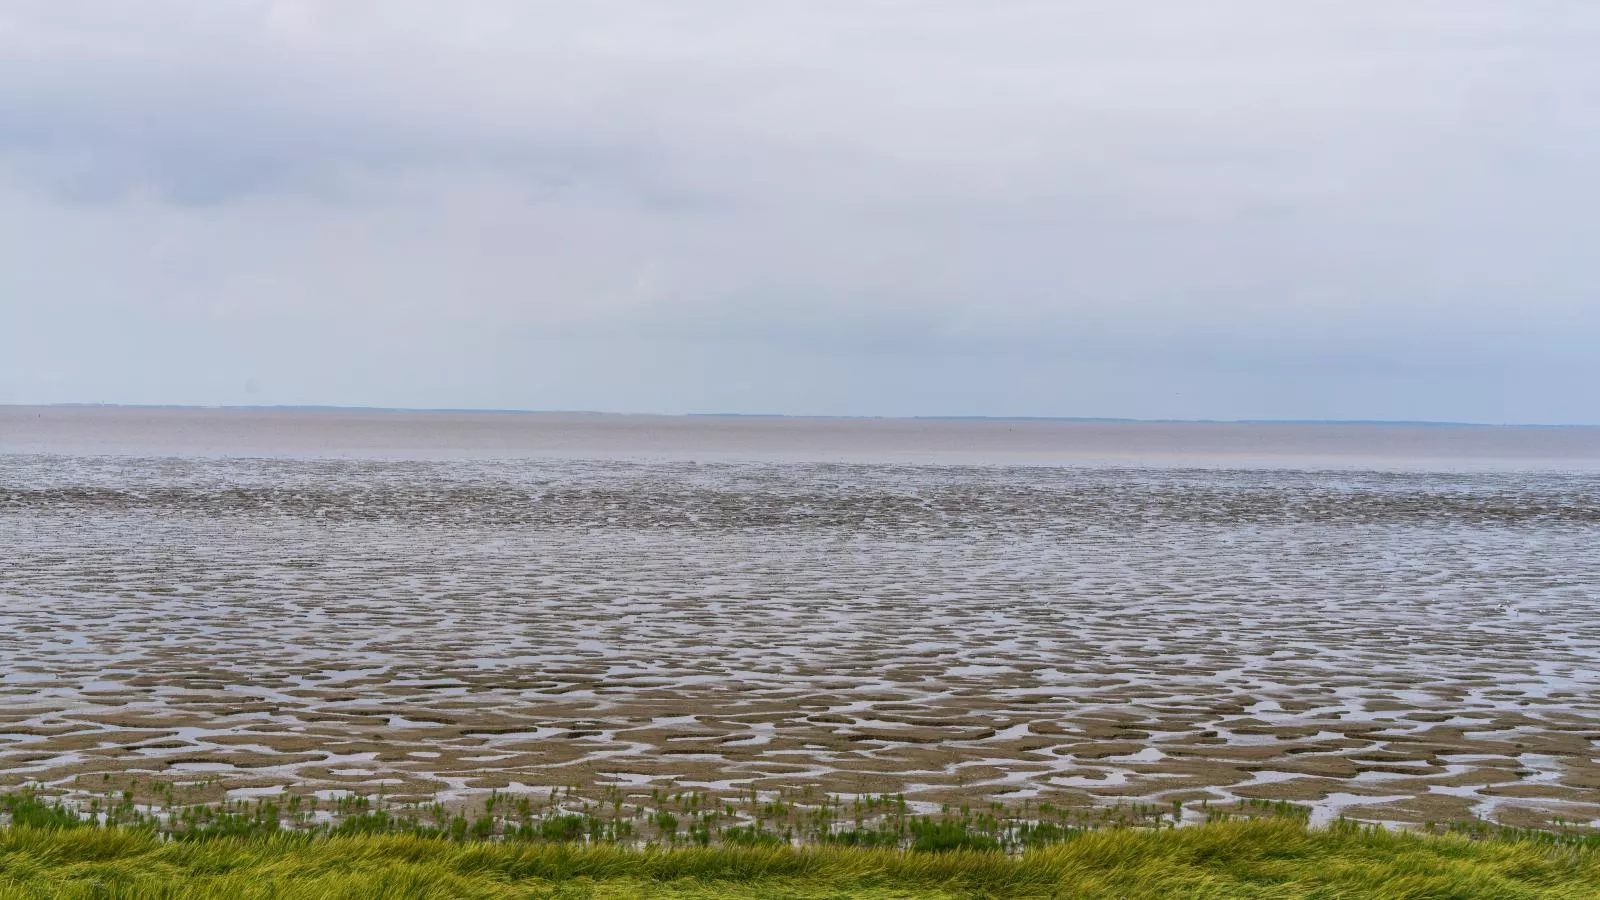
{"type": "Point", "coordinates": [1404, 647]}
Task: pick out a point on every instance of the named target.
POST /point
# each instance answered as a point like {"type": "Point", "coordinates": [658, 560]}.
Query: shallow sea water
{"type": "Point", "coordinates": [1400, 646]}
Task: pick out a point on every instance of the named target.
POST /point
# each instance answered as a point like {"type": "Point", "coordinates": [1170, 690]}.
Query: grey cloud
{"type": "Point", "coordinates": [980, 198]}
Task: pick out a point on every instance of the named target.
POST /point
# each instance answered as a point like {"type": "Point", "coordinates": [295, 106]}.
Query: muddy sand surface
{"type": "Point", "coordinates": [1400, 647]}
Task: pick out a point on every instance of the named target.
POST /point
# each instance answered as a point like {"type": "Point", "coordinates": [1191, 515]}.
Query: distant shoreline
{"type": "Point", "coordinates": [1087, 420]}
{"type": "Point", "coordinates": [374, 433]}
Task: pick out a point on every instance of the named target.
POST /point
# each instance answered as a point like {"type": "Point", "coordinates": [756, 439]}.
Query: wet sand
{"type": "Point", "coordinates": [1397, 646]}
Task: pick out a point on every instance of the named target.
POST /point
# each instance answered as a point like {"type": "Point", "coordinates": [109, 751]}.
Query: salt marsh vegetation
{"type": "Point", "coordinates": [1276, 858]}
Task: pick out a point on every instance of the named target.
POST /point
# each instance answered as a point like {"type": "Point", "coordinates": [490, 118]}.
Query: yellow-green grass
{"type": "Point", "coordinates": [1264, 858]}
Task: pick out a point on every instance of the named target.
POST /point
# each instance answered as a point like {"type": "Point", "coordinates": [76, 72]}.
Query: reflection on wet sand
{"type": "Point", "coordinates": [1395, 647]}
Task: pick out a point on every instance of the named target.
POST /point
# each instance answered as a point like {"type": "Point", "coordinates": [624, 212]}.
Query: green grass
{"type": "Point", "coordinates": [603, 814]}
{"type": "Point", "coordinates": [1276, 858]}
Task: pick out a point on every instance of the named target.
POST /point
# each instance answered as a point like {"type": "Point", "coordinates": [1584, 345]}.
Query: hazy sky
{"type": "Point", "coordinates": [1174, 208]}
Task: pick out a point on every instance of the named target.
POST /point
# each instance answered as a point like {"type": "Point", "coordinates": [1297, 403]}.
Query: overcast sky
{"type": "Point", "coordinates": [1174, 208]}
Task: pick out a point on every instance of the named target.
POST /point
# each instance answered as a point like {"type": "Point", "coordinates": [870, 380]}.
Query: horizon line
{"type": "Point", "coordinates": [953, 417]}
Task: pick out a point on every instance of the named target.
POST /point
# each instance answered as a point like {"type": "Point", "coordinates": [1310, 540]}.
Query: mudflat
{"type": "Point", "coordinates": [1408, 644]}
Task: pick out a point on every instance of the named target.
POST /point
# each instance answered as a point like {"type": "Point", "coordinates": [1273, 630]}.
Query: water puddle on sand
{"type": "Point", "coordinates": [1402, 647]}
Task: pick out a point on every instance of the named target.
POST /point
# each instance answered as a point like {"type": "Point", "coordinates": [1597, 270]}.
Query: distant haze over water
{"type": "Point", "coordinates": [397, 434]}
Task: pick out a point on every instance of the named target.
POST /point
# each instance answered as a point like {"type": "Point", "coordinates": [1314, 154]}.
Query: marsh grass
{"type": "Point", "coordinates": [607, 815]}
{"type": "Point", "coordinates": [141, 840]}
{"type": "Point", "coordinates": [1242, 858]}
